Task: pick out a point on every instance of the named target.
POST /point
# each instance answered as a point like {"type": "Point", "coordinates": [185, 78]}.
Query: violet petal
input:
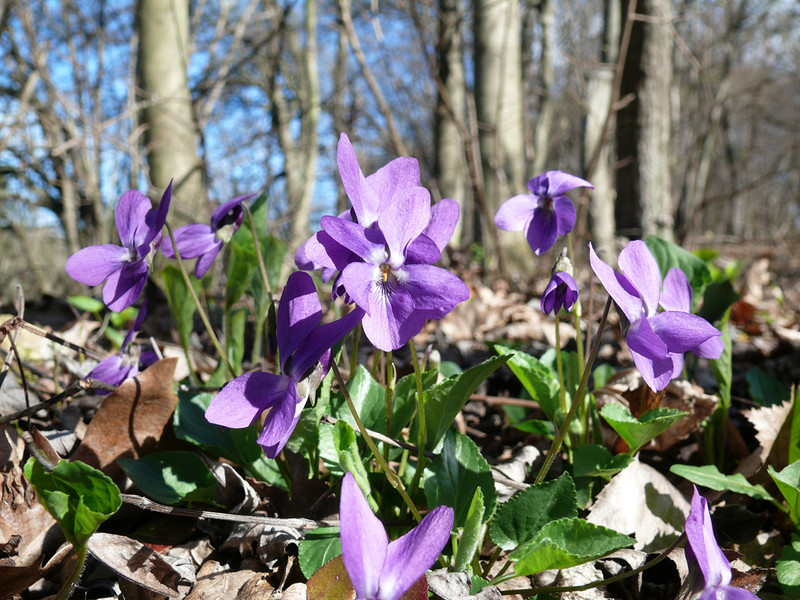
{"type": "Point", "coordinates": [414, 553]}
{"type": "Point", "coordinates": [94, 264]}
{"type": "Point", "coordinates": [281, 421]}
{"type": "Point", "coordinates": [560, 182]}
{"type": "Point", "coordinates": [403, 221]}
{"type": "Point", "coordinates": [364, 541]}
{"type": "Point", "coordinates": [444, 218]}
{"type": "Point", "coordinates": [433, 287]}
{"type": "Point", "coordinates": [239, 403]}
{"type": "Point", "coordinates": [514, 213]}
{"type": "Point", "coordinates": [676, 293]}
{"type": "Point", "coordinates": [565, 214]}
{"type": "Point", "coordinates": [682, 331]}
{"type": "Point", "coordinates": [542, 231]}
{"type": "Point", "coordinates": [637, 263]}
{"type": "Point", "coordinates": [618, 287]}
{"type": "Point", "coordinates": [392, 318]}
{"type": "Point", "coordinates": [650, 355]}
{"type": "Point", "coordinates": [299, 312]}
{"type": "Point", "coordinates": [125, 286]}
{"type": "Point", "coordinates": [192, 241]}
{"type": "Point", "coordinates": [700, 539]}
{"type": "Point", "coordinates": [132, 208]}
{"type": "Point", "coordinates": [314, 346]}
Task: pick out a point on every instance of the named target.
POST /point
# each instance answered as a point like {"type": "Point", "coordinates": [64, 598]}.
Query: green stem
{"type": "Point", "coordinates": [562, 432]}
{"type": "Point", "coordinates": [391, 476]}
{"type": "Point", "coordinates": [576, 315]}
{"type": "Point", "coordinates": [261, 265]}
{"type": "Point", "coordinates": [69, 587]}
{"type": "Point", "coordinates": [354, 350]}
{"type": "Point", "coordinates": [562, 393]}
{"type": "Point", "coordinates": [422, 427]}
{"type": "Point", "coordinates": [203, 315]}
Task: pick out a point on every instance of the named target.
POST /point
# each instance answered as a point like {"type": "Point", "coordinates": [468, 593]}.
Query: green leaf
{"type": "Point", "coordinates": [237, 445]}
{"type": "Point", "coordinates": [765, 389]}
{"type": "Point", "coordinates": [717, 299]}
{"type": "Point", "coordinates": [368, 397]}
{"type": "Point", "coordinates": [235, 338]}
{"type": "Point", "coordinates": [520, 519]}
{"type": "Point", "coordinates": [788, 567]}
{"type": "Point", "coordinates": [594, 460]}
{"type": "Point", "coordinates": [788, 482]}
{"type": "Point", "coordinates": [537, 379]}
{"type": "Point", "coordinates": [637, 432]}
{"type": "Point", "coordinates": [319, 546]}
{"type": "Point", "coordinates": [472, 534]}
{"type": "Point", "coordinates": [445, 400]}
{"type": "Point", "coordinates": [121, 319]}
{"type": "Point", "coordinates": [709, 476]}
{"type": "Point", "coordinates": [601, 375]}
{"type": "Point", "coordinates": [180, 301]}
{"type": "Point", "coordinates": [722, 368]}
{"type": "Point", "coordinates": [242, 263]}
{"type": "Point", "coordinates": [794, 429]}
{"type": "Point", "coordinates": [567, 543]}
{"type": "Point", "coordinates": [79, 497]}
{"type": "Point", "coordinates": [344, 440]}
{"type": "Point", "coordinates": [172, 477]}
{"type": "Point", "coordinates": [669, 255]}
{"type": "Point", "coordinates": [454, 476]}
{"type": "Point", "coordinates": [86, 304]}
{"type": "Point", "coordinates": [404, 404]}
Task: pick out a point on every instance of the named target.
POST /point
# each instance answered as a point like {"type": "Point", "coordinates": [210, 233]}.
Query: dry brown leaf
{"type": "Point", "coordinates": [215, 581]}
{"type": "Point", "coordinates": [29, 536]}
{"type": "Point", "coordinates": [131, 420]}
{"type": "Point", "coordinates": [137, 563]}
{"type": "Point", "coordinates": [772, 432]}
{"type": "Point", "coordinates": [641, 502]}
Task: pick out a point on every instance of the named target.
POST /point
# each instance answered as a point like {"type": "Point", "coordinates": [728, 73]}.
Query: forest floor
{"type": "Point", "coordinates": [145, 554]}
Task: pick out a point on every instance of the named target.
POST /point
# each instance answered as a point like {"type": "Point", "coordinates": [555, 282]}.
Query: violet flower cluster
{"type": "Point", "coordinates": [385, 248]}
{"type": "Point", "coordinates": [304, 347]}
{"type": "Point", "coordinates": [125, 268]}
{"type": "Point", "coordinates": [379, 569]}
{"type": "Point", "coordinates": [545, 213]}
{"type": "Point", "coordinates": [703, 552]}
{"type": "Point", "coordinates": [204, 242]}
{"type": "Point", "coordinates": [656, 340]}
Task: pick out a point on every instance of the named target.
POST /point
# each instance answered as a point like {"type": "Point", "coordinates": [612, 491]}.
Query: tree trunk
{"type": "Point", "coordinates": [597, 146]}
{"type": "Point", "coordinates": [498, 102]}
{"type": "Point", "coordinates": [644, 190]}
{"type": "Point", "coordinates": [544, 124]}
{"type": "Point", "coordinates": [451, 172]}
{"type": "Point", "coordinates": [172, 134]}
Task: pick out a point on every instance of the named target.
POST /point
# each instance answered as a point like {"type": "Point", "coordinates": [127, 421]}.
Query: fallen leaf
{"type": "Point", "coordinates": [30, 540]}
{"type": "Point", "coordinates": [456, 586]}
{"type": "Point", "coordinates": [137, 563]}
{"type": "Point", "coordinates": [641, 502]}
{"type": "Point", "coordinates": [215, 581]}
{"type": "Point", "coordinates": [772, 424]}
{"type": "Point", "coordinates": [131, 420]}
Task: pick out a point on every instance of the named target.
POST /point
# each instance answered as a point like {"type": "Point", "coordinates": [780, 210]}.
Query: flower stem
{"type": "Point", "coordinates": [69, 587]}
{"type": "Point", "coordinates": [562, 432]}
{"type": "Point", "coordinates": [200, 309]}
{"type": "Point", "coordinates": [261, 265]}
{"type": "Point", "coordinates": [422, 428]}
{"type": "Point", "coordinates": [391, 476]}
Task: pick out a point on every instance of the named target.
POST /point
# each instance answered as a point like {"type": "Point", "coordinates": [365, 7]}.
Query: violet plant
{"type": "Point", "coordinates": [393, 437]}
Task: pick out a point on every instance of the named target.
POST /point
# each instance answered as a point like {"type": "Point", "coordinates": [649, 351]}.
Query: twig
{"type": "Point", "coordinates": [296, 523]}
{"type": "Point", "coordinates": [73, 388]}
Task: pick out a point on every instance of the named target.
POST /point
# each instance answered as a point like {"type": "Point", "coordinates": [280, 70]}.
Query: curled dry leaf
{"type": "Point", "coordinates": [130, 422]}
{"type": "Point", "coordinates": [268, 543]}
{"type": "Point", "coordinates": [773, 432]}
{"type": "Point", "coordinates": [29, 536]}
{"type": "Point", "coordinates": [137, 563]}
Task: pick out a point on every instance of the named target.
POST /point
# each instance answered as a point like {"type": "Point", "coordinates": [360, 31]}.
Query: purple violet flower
{"type": "Point", "coordinates": [545, 213]}
{"type": "Point", "coordinates": [391, 275]}
{"type": "Point", "coordinates": [656, 340]}
{"type": "Point", "coordinates": [204, 242]}
{"type": "Point", "coordinates": [702, 551]}
{"type": "Point", "coordinates": [117, 368]}
{"type": "Point", "coordinates": [124, 268]}
{"type": "Point", "coordinates": [305, 355]}
{"type": "Point", "coordinates": [561, 292]}
{"type": "Point", "coordinates": [379, 569]}
{"type": "Point", "coordinates": [369, 196]}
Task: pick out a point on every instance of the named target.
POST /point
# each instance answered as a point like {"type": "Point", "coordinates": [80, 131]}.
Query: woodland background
{"type": "Point", "coordinates": [684, 114]}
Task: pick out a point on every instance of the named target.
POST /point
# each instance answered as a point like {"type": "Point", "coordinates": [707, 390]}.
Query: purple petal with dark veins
{"type": "Point", "coordinates": [392, 180]}
{"type": "Point", "coordinates": [358, 279]}
{"type": "Point", "coordinates": [239, 403]}
{"type": "Point", "coordinates": [363, 198]}
{"type": "Point", "coordinates": [392, 318]}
